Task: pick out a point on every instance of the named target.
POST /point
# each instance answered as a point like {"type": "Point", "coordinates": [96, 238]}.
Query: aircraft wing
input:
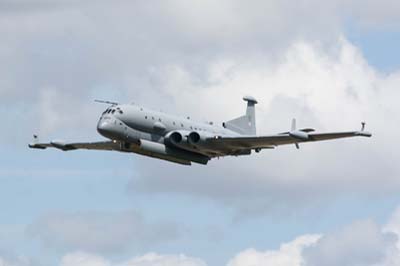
{"type": "Point", "coordinates": [272, 141]}
{"type": "Point", "coordinates": [65, 146]}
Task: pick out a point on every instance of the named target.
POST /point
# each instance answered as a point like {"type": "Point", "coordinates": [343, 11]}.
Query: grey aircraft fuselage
{"type": "Point", "coordinates": [147, 124]}
{"type": "Point", "coordinates": [135, 126]}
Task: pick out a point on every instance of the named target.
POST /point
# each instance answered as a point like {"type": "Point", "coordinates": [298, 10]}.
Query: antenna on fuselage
{"type": "Point", "coordinates": [106, 102]}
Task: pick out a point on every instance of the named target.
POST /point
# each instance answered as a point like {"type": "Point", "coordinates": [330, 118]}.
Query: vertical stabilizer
{"type": "Point", "coordinates": [245, 125]}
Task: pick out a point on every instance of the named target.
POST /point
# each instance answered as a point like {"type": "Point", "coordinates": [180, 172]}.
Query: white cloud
{"type": "Point", "coordinates": [150, 259]}
{"type": "Point", "coordinates": [362, 243]}
{"type": "Point", "coordinates": [153, 259]}
{"type": "Point", "coordinates": [327, 87]}
{"type": "Point", "coordinates": [289, 254]}
{"type": "Point", "coordinates": [83, 259]}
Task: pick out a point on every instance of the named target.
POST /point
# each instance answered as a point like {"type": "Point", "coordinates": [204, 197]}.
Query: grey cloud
{"type": "Point", "coordinates": [312, 85]}
{"type": "Point", "coordinates": [27, 6]}
{"type": "Point", "coordinates": [56, 59]}
{"type": "Point", "coordinates": [105, 232]}
{"type": "Point", "coordinates": [285, 184]}
{"type": "Point", "coordinates": [13, 260]}
{"type": "Point", "coordinates": [149, 259]}
{"type": "Point", "coordinates": [359, 244]}
{"type": "Point", "coordinates": [122, 50]}
{"type": "Point", "coordinates": [54, 64]}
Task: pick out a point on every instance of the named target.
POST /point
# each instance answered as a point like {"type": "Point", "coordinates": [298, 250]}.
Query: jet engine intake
{"type": "Point", "coordinates": [190, 141]}
{"type": "Point", "coordinates": [176, 138]}
{"type": "Point", "coordinates": [194, 138]}
{"type": "Point", "coordinates": [198, 140]}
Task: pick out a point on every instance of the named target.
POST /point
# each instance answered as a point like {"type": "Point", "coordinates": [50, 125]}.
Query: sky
{"type": "Point", "coordinates": [330, 64]}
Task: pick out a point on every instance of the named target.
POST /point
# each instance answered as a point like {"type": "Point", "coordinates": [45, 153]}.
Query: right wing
{"type": "Point", "coordinates": [110, 146]}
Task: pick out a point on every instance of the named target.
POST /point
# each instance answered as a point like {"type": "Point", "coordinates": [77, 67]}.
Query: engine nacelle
{"type": "Point", "coordinates": [177, 138]}
{"type": "Point", "coordinates": [300, 135]}
{"type": "Point", "coordinates": [190, 141]}
{"type": "Point", "coordinates": [197, 139]}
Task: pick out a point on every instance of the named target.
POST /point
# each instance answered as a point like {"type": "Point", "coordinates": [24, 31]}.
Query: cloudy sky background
{"type": "Point", "coordinates": [329, 64]}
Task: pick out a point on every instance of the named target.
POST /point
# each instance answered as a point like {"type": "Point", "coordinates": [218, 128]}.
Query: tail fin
{"type": "Point", "coordinates": [245, 125]}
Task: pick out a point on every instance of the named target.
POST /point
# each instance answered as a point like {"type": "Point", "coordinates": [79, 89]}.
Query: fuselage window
{"type": "Point", "coordinates": [159, 119]}
{"type": "Point", "coordinates": [113, 111]}
{"type": "Point", "coordinates": [145, 117]}
{"type": "Point", "coordinates": [173, 123]}
{"type": "Point", "coordinates": [181, 125]}
{"type": "Point", "coordinates": [152, 117]}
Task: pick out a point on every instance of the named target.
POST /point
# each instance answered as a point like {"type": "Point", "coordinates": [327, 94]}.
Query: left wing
{"type": "Point", "coordinates": [292, 137]}
{"type": "Point", "coordinates": [65, 146]}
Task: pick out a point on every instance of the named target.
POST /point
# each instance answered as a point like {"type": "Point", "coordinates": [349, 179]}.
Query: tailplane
{"type": "Point", "coordinates": [245, 125]}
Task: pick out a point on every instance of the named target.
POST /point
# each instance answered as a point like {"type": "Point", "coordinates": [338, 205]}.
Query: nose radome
{"type": "Point", "coordinates": [104, 128]}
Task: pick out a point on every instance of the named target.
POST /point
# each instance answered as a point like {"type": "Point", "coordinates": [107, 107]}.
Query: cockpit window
{"type": "Point", "coordinates": [112, 111]}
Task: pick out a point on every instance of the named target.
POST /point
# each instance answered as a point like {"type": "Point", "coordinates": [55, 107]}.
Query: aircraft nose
{"type": "Point", "coordinates": [104, 128]}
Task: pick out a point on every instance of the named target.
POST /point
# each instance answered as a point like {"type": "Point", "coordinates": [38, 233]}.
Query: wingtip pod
{"type": "Point", "coordinates": [362, 132]}
{"type": "Point", "coordinates": [34, 144]}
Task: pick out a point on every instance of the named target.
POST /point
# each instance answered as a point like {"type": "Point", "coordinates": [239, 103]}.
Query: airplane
{"type": "Point", "coordinates": [134, 129]}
